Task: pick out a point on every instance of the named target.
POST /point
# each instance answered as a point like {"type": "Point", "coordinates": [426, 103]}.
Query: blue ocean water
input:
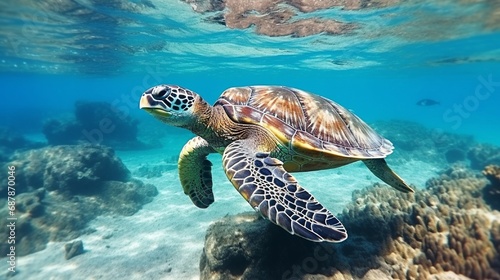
{"type": "Point", "coordinates": [55, 53]}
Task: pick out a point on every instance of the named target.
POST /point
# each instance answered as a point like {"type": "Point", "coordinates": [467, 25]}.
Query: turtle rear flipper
{"type": "Point", "coordinates": [275, 193]}
{"type": "Point", "coordinates": [195, 171]}
{"type": "Point", "coordinates": [380, 169]}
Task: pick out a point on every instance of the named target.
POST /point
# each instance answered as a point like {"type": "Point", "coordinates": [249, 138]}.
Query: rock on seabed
{"type": "Point", "coordinates": [60, 189]}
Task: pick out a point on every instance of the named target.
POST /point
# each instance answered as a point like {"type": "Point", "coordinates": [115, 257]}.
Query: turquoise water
{"type": "Point", "coordinates": [57, 52]}
{"type": "Point", "coordinates": [54, 53]}
{"type": "Point", "coordinates": [61, 51]}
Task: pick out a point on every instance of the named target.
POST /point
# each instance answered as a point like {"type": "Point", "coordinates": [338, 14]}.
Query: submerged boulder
{"type": "Point", "coordinates": [60, 189]}
{"type": "Point", "coordinates": [446, 230]}
{"type": "Point", "coordinates": [73, 249]}
{"type": "Point", "coordinates": [114, 124]}
{"type": "Point", "coordinates": [68, 169]}
{"type": "Point", "coordinates": [94, 123]}
{"type": "Point", "coordinates": [246, 246]}
{"type": "Point", "coordinates": [62, 132]}
{"type": "Point", "coordinates": [12, 140]}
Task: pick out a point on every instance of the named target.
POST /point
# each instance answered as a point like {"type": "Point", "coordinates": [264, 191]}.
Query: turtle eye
{"type": "Point", "coordinates": [170, 98]}
{"type": "Point", "coordinates": [161, 92]}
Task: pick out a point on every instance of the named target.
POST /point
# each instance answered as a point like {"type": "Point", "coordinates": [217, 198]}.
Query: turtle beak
{"type": "Point", "coordinates": [150, 105]}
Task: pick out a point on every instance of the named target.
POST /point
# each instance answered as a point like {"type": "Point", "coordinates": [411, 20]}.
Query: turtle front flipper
{"type": "Point", "coordinates": [275, 193]}
{"type": "Point", "coordinates": [195, 171]}
{"type": "Point", "coordinates": [380, 169]}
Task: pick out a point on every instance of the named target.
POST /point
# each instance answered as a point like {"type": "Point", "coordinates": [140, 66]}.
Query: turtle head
{"type": "Point", "coordinates": [171, 104]}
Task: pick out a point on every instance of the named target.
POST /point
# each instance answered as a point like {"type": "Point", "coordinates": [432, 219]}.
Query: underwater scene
{"type": "Point", "coordinates": [232, 139]}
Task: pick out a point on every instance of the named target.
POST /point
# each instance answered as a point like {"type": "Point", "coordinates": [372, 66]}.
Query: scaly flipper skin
{"type": "Point", "coordinates": [275, 193]}
{"type": "Point", "coordinates": [380, 169]}
{"type": "Point", "coordinates": [195, 171]}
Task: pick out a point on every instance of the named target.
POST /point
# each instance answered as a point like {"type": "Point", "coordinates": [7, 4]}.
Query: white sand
{"type": "Point", "coordinates": [164, 240]}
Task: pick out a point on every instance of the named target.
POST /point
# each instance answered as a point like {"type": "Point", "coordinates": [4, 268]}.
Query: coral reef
{"type": "Point", "coordinates": [491, 193]}
{"type": "Point", "coordinates": [483, 155]}
{"type": "Point", "coordinates": [492, 172]}
{"type": "Point", "coordinates": [95, 123]}
{"type": "Point", "coordinates": [445, 231]}
{"type": "Point", "coordinates": [442, 228]}
{"type": "Point", "coordinates": [60, 189]}
{"type": "Point", "coordinates": [414, 141]}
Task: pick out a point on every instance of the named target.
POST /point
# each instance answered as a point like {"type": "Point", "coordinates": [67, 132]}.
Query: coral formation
{"type": "Point", "coordinates": [492, 172]}
{"type": "Point", "coordinates": [446, 230]}
{"type": "Point", "coordinates": [67, 168]}
{"type": "Point", "coordinates": [483, 155]}
{"type": "Point", "coordinates": [414, 141]}
{"type": "Point", "coordinates": [95, 123]}
{"type": "Point", "coordinates": [491, 193]}
{"type": "Point", "coordinates": [60, 189]}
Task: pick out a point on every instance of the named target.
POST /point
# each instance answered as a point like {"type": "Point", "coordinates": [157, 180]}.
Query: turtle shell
{"type": "Point", "coordinates": [307, 123]}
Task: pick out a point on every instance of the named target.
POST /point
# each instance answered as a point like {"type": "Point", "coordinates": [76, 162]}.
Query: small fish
{"type": "Point", "coordinates": [427, 102]}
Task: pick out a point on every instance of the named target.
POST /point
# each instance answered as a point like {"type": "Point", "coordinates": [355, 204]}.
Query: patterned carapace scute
{"type": "Point", "coordinates": [305, 122]}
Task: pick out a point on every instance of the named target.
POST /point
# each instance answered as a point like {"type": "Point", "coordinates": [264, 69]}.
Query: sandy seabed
{"type": "Point", "coordinates": [164, 240]}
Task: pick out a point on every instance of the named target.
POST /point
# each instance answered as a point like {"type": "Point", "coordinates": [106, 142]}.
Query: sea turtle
{"type": "Point", "coordinates": [263, 133]}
